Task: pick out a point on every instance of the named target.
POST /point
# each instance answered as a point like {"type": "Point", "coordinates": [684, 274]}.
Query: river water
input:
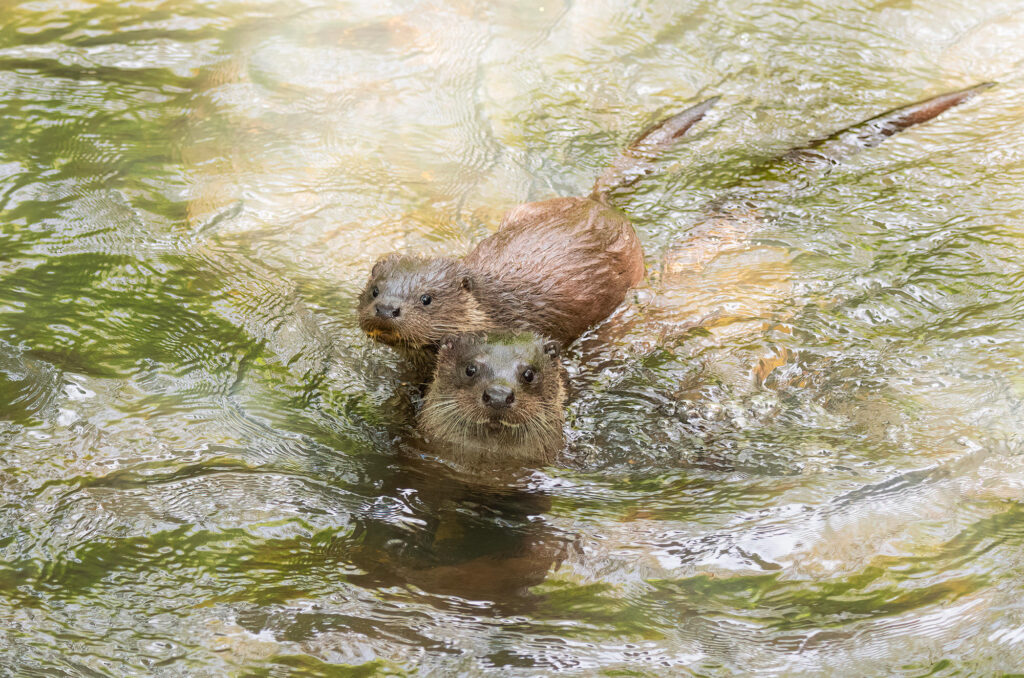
{"type": "Point", "coordinates": [800, 456]}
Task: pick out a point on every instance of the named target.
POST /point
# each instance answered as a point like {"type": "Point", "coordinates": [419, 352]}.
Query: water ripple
{"type": "Point", "coordinates": [796, 451]}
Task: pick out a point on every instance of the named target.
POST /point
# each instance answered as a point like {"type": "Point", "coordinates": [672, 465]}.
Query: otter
{"type": "Point", "coordinates": [554, 267]}
{"type": "Point", "coordinates": [713, 286]}
{"type": "Point", "coordinates": [496, 399]}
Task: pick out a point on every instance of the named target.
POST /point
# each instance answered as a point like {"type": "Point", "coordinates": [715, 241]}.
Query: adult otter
{"type": "Point", "coordinates": [495, 399]}
{"type": "Point", "coordinates": [716, 281]}
{"type": "Point", "coordinates": [554, 267]}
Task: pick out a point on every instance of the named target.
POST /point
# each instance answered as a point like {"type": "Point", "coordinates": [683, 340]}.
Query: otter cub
{"type": "Point", "coordinates": [495, 398]}
{"type": "Point", "coordinates": [554, 267]}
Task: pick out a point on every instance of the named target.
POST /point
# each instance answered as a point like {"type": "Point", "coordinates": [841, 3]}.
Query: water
{"type": "Point", "coordinates": [201, 471]}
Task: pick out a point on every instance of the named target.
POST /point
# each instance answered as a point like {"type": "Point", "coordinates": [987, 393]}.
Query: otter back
{"type": "Point", "coordinates": [557, 266]}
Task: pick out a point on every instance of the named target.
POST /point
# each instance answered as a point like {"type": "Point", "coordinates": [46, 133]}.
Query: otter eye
{"type": "Point", "coordinates": [470, 370]}
{"type": "Point", "coordinates": [374, 292]}
{"type": "Point", "coordinates": [528, 375]}
{"type": "Point", "coordinates": [426, 299]}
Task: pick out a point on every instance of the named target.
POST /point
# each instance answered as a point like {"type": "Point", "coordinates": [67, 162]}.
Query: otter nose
{"type": "Point", "coordinates": [499, 397]}
{"type": "Point", "coordinates": [385, 311]}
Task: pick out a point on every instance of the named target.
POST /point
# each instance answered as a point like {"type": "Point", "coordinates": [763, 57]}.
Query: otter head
{"type": "Point", "coordinates": [413, 302]}
{"type": "Point", "coordinates": [498, 395]}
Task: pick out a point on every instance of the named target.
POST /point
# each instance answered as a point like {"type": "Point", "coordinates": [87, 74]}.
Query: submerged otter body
{"type": "Point", "coordinates": [716, 281]}
{"type": "Point", "coordinates": [554, 267]}
{"type": "Point", "coordinates": [495, 400]}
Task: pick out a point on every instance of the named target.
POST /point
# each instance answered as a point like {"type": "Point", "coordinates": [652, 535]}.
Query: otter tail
{"type": "Point", "coordinates": [637, 159]}
{"type": "Point", "coordinates": [835, 148]}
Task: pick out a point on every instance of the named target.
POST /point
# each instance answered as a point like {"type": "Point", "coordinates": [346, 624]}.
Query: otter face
{"type": "Point", "coordinates": [413, 302]}
{"type": "Point", "coordinates": [501, 393]}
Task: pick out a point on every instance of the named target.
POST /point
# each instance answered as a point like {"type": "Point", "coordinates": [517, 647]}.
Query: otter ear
{"type": "Point", "coordinates": [467, 283]}
{"type": "Point", "coordinates": [384, 262]}
{"type": "Point", "coordinates": [452, 341]}
{"type": "Point", "coordinates": [552, 349]}
{"type": "Point", "coordinates": [448, 342]}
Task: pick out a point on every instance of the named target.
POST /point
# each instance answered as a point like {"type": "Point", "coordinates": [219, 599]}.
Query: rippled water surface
{"type": "Point", "coordinates": [801, 456]}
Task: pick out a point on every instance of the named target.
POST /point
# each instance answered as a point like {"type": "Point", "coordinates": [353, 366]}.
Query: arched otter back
{"type": "Point", "coordinates": [562, 266]}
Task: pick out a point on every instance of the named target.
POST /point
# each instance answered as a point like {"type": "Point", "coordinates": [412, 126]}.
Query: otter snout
{"type": "Point", "coordinates": [499, 397]}
{"type": "Point", "coordinates": [387, 311]}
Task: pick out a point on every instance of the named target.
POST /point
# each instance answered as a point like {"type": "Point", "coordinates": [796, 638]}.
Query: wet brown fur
{"type": "Point", "coordinates": [557, 267]}
{"type": "Point", "coordinates": [459, 425]}
{"type": "Point", "coordinates": [401, 281]}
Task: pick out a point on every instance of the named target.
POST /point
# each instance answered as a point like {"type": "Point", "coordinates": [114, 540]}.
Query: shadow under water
{"type": "Point", "coordinates": [451, 534]}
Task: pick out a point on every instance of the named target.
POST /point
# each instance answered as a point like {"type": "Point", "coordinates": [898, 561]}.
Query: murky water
{"type": "Point", "coordinates": [200, 453]}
